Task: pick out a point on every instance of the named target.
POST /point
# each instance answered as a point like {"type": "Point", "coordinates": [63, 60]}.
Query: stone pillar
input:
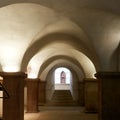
{"type": "Point", "coordinates": [13, 107]}
{"type": "Point", "coordinates": [42, 92]}
{"type": "Point", "coordinates": [109, 95]}
{"type": "Point", "coordinates": [91, 95]}
{"type": "Point", "coordinates": [32, 95]}
{"type": "Point", "coordinates": [81, 98]}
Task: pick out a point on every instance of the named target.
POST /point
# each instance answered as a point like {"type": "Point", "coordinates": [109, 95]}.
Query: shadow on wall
{"type": "Point", "coordinates": [115, 59]}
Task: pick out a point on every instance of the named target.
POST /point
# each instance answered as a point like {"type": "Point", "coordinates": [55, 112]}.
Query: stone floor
{"type": "Point", "coordinates": [61, 113]}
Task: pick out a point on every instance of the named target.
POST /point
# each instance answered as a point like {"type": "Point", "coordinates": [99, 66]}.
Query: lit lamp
{"type": "Point", "coordinates": [3, 89]}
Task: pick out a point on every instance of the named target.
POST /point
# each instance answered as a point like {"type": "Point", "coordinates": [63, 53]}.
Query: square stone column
{"type": "Point", "coordinates": [13, 107]}
{"type": "Point", "coordinates": [109, 95]}
{"type": "Point", "coordinates": [81, 98]}
{"type": "Point", "coordinates": [42, 92]}
{"type": "Point", "coordinates": [91, 95]}
{"type": "Point", "coordinates": [32, 95]}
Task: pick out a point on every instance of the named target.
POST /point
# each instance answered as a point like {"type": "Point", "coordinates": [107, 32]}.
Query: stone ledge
{"type": "Point", "coordinates": [115, 75]}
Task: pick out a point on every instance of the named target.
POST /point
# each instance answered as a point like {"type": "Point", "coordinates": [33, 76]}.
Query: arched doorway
{"type": "Point", "coordinates": [62, 78]}
{"type": "Point", "coordinates": [55, 88]}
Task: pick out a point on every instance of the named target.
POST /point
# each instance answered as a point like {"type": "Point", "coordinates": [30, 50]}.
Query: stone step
{"type": "Point", "coordinates": [62, 98]}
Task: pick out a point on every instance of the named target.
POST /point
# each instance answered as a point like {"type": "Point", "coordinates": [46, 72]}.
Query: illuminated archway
{"type": "Point", "coordinates": [58, 75]}
{"type": "Point", "coordinates": [58, 78]}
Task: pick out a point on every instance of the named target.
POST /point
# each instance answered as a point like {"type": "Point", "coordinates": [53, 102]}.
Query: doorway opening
{"type": "Point", "coordinates": [62, 79]}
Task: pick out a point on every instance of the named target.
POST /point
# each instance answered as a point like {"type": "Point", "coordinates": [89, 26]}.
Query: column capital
{"type": "Point", "coordinates": [115, 75]}
{"type": "Point", "coordinates": [81, 82]}
{"type": "Point", "coordinates": [89, 79]}
{"type": "Point", "coordinates": [42, 81]}
{"type": "Point", "coordinates": [13, 74]}
{"type": "Point", "coordinates": [32, 79]}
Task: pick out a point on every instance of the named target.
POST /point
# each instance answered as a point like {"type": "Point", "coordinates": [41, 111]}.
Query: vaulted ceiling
{"type": "Point", "coordinates": [83, 35]}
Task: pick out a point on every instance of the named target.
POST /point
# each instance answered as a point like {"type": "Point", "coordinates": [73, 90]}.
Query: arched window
{"type": "Point", "coordinates": [63, 77]}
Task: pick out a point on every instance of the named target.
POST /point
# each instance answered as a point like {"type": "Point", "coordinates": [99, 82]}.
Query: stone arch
{"type": "Point", "coordinates": [40, 44]}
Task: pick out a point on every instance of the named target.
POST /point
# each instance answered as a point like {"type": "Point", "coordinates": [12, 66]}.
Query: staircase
{"type": "Point", "coordinates": [62, 98]}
